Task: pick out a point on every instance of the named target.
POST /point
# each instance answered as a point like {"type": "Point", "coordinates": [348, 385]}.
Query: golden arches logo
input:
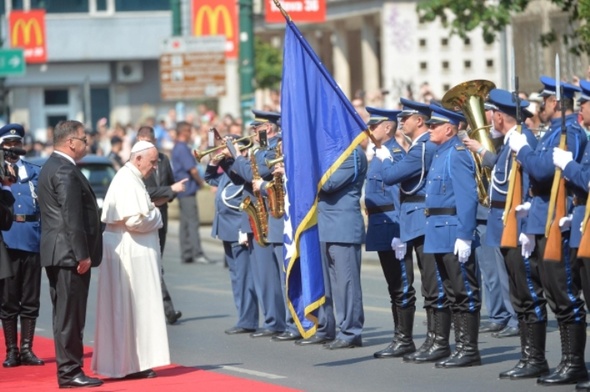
{"type": "Point", "coordinates": [27, 27]}
{"type": "Point", "coordinates": [215, 16]}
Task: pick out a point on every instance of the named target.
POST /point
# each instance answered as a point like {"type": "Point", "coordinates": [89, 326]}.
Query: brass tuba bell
{"type": "Point", "coordinates": [469, 97]}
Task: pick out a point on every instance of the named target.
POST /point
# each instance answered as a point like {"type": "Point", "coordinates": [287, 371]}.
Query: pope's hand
{"type": "Point", "coordinates": [561, 158]}
{"type": "Point", "coordinates": [383, 153]}
{"type": "Point", "coordinates": [517, 141]}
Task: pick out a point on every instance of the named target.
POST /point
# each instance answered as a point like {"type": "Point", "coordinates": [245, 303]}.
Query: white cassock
{"type": "Point", "coordinates": [130, 333]}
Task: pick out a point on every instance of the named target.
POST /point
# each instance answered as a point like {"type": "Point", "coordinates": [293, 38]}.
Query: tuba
{"type": "Point", "coordinates": [469, 97]}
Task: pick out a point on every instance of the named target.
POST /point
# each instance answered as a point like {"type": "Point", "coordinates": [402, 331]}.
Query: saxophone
{"type": "Point", "coordinates": [275, 189]}
{"type": "Point", "coordinates": [257, 214]}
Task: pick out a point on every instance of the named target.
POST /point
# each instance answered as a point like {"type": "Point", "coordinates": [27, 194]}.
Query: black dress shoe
{"type": "Point", "coordinates": [173, 318]}
{"type": "Point", "coordinates": [315, 339]}
{"type": "Point", "coordinates": [238, 330]}
{"type": "Point", "coordinates": [506, 332]}
{"type": "Point", "coordinates": [149, 373]}
{"type": "Point", "coordinates": [338, 343]}
{"type": "Point", "coordinates": [286, 336]}
{"type": "Point", "coordinates": [490, 327]}
{"type": "Point", "coordinates": [81, 381]}
{"type": "Point", "coordinates": [263, 332]}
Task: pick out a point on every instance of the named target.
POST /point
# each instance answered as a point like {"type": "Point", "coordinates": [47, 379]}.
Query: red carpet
{"type": "Point", "coordinates": [171, 378]}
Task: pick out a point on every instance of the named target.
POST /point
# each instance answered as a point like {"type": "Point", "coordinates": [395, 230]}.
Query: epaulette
{"type": "Point", "coordinates": [459, 148]}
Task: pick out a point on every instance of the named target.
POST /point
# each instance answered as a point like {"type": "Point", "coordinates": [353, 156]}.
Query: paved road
{"type": "Point", "coordinates": [203, 293]}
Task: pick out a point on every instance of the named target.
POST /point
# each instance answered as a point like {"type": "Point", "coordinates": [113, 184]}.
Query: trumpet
{"type": "Point", "coordinates": [201, 154]}
{"type": "Point", "coordinates": [271, 162]}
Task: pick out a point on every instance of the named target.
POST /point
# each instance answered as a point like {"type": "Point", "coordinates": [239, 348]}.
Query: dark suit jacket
{"type": "Point", "coordinates": [6, 202]}
{"type": "Point", "coordinates": [71, 224]}
{"type": "Point", "coordinates": [158, 184]}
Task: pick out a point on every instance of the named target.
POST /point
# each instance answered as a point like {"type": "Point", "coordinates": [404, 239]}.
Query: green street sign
{"type": "Point", "coordinates": [12, 62]}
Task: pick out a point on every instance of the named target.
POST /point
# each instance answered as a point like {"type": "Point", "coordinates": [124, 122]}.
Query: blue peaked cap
{"type": "Point", "coordinates": [378, 115]}
{"type": "Point", "coordinates": [412, 107]}
{"type": "Point", "coordinates": [503, 100]}
{"type": "Point", "coordinates": [11, 131]}
{"type": "Point", "coordinates": [441, 115]}
{"type": "Point", "coordinates": [549, 88]}
{"type": "Point", "coordinates": [261, 117]}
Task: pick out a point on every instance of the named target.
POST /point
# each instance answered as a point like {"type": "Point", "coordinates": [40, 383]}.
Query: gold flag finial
{"type": "Point", "coordinates": [280, 7]}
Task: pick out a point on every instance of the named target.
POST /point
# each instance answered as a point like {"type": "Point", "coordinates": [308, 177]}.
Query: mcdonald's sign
{"type": "Point", "coordinates": [298, 10]}
{"type": "Point", "coordinates": [217, 17]}
{"type": "Point", "coordinates": [27, 31]}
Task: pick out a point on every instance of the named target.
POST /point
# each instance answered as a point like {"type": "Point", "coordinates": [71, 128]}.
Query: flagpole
{"type": "Point", "coordinates": [280, 7]}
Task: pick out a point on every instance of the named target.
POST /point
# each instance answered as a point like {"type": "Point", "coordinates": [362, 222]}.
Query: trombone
{"type": "Point", "coordinates": [201, 154]}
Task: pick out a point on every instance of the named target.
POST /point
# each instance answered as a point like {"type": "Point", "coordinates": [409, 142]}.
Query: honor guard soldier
{"type": "Point", "coordinates": [526, 291]}
{"type": "Point", "coordinates": [578, 177]}
{"type": "Point", "coordinates": [382, 205]}
{"type": "Point", "coordinates": [410, 173]}
{"type": "Point", "coordinates": [226, 227]}
{"type": "Point", "coordinates": [451, 206]}
{"type": "Point", "coordinates": [266, 268]}
{"type": "Point", "coordinates": [20, 294]}
{"type": "Point", "coordinates": [561, 287]}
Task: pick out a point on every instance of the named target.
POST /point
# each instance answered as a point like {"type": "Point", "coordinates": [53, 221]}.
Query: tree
{"type": "Point", "coordinates": [268, 68]}
{"type": "Point", "coordinates": [462, 16]}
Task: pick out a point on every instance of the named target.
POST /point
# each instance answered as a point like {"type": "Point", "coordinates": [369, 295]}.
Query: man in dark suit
{"type": "Point", "coordinates": [71, 243]}
{"type": "Point", "coordinates": [162, 189]}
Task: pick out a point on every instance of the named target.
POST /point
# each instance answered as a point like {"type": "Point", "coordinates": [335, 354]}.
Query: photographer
{"type": "Point", "coordinates": [20, 293]}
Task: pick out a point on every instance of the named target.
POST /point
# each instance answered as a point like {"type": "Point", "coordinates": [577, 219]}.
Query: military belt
{"type": "Point", "coordinates": [440, 211]}
{"type": "Point", "coordinates": [26, 218]}
{"type": "Point", "coordinates": [412, 198]}
{"type": "Point", "coordinates": [379, 209]}
{"type": "Point", "coordinates": [498, 204]}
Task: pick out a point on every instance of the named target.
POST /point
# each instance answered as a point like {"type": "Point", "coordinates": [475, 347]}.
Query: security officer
{"type": "Point", "coordinates": [20, 294]}
{"type": "Point", "coordinates": [451, 206]}
{"type": "Point", "coordinates": [578, 177]}
{"type": "Point", "coordinates": [226, 227]}
{"type": "Point", "coordinates": [382, 206]}
{"type": "Point", "coordinates": [266, 268]}
{"type": "Point", "coordinates": [410, 173]}
{"type": "Point", "coordinates": [526, 291]}
{"type": "Point", "coordinates": [559, 281]}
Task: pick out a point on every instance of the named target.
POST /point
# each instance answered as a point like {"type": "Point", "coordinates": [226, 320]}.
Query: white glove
{"type": "Point", "coordinates": [383, 153]}
{"type": "Point", "coordinates": [462, 249]}
{"type": "Point", "coordinates": [566, 222]}
{"type": "Point", "coordinates": [528, 244]}
{"type": "Point", "coordinates": [399, 247]}
{"type": "Point", "coordinates": [522, 210]}
{"type": "Point", "coordinates": [561, 157]}
{"type": "Point", "coordinates": [517, 141]}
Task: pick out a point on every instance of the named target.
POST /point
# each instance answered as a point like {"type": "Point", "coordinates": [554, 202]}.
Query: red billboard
{"type": "Point", "coordinates": [217, 17]}
{"type": "Point", "coordinates": [27, 31]}
{"type": "Point", "coordinates": [298, 10]}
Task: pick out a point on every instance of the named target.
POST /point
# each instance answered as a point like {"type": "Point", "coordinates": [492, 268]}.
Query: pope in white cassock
{"type": "Point", "coordinates": [130, 337]}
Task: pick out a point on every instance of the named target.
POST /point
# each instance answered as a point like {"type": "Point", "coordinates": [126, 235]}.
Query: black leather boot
{"type": "Point", "coordinates": [466, 349]}
{"type": "Point", "coordinates": [10, 339]}
{"type": "Point", "coordinates": [27, 332]}
{"type": "Point", "coordinates": [402, 341]}
{"type": "Point", "coordinates": [387, 352]}
{"type": "Point", "coordinates": [583, 386]}
{"type": "Point", "coordinates": [429, 337]}
{"type": "Point", "coordinates": [572, 368]}
{"type": "Point", "coordinates": [532, 361]}
{"type": "Point", "coordinates": [439, 348]}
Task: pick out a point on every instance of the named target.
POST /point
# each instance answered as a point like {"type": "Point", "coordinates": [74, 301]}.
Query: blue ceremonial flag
{"type": "Point", "coordinates": [320, 129]}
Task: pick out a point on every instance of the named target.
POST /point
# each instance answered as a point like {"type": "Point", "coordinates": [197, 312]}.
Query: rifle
{"type": "Point", "coordinates": [584, 249]}
{"type": "Point", "coordinates": [510, 231]}
{"type": "Point", "coordinates": [557, 202]}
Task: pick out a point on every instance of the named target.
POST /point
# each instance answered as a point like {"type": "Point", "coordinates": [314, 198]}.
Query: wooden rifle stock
{"type": "Point", "coordinates": [557, 210]}
{"type": "Point", "coordinates": [584, 249]}
{"type": "Point", "coordinates": [513, 198]}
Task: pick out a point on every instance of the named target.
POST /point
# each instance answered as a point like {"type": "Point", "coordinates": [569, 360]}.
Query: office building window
{"type": "Point", "coordinates": [142, 5]}
{"type": "Point", "coordinates": [467, 41]}
{"type": "Point", "coordinates": [489, 63]}
{"type": "Point", "coordinates": [444, 42]}
{"type": "Point", "coordinates": [61, 6]}
{"type": "Point", "coordinates": [445, 65]}
{"type": "Point", "coordinates": [56, 97]}
{"type": "Point", "coordinates": [446, 87]}
{"type": "Point", "coordinates": [422, 42]}
{"type": "Point", "coordinates": [101, 5]}
{"type": "Point", "coordinates": [467, 64]}
{"type": "Point", "coordinates": [423, 65]}
{"type": "Point", "coordinates": [16, 5]}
